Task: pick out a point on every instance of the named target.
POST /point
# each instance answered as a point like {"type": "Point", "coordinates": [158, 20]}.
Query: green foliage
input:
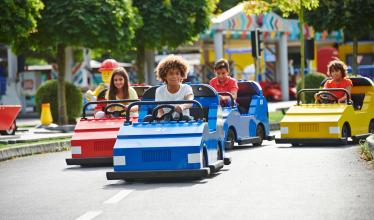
{"type": "Point", "coordinates": [312, 81]}
{"type": "Point", "coordinates": [47, 93]}
{"type": "Point", "coordinates": [225, 5]}
{"type": "Point", "coordinates": [275, 117]}
{"type": "Point", "coordinates": [354, 16]}
{"type": "Point", "coordinates": [84, 23]}
{"type": "Point", "coordinates": [365, 151]}
{"type": "Point", "coordinates": [18, 18]}
{"type": "Point", "coordinates": [286, 6]}
{"type": "Point", "coordinates": [172, 23]}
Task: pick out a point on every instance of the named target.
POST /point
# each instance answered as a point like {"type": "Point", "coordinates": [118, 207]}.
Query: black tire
{"type": "Point", "coordinates": [260, 132]}
{"type": "Point", "coordinates": [371, 126]}
{"type": "Point", "coordinates": [11, 130]}
{"type": "Point", "coordinates": [219, 153]}
{"type": "Point", "coordinates": [230, 138]}
{"type": "Point", "coordinates": [295, 144]}
{"type": "Point", "coordinates": [205, 161]}
{"type": "Point", "coordinates": [345, 133]}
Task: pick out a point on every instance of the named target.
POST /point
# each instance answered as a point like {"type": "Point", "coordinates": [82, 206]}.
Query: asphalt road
{"type": "Point", "coordinates": [268, 182]}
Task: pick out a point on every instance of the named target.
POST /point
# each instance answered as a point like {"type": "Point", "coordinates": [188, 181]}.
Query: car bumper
{"type": "Point", "coordinates": [158, 174]}
{"type": "Point", "coordinates": [311, 140]}
{"type": "Point", "coordinates": [93, 161]}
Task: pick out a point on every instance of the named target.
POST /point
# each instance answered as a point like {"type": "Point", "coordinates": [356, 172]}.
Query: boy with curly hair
{"type": "Point", "coordinates": [172, 70]}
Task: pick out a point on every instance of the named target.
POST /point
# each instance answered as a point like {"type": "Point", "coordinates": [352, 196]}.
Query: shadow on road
{"type": "Point", "coordinates": [316, 146]}
{"type": "Point", "coordinates": [87, 168]}
{"type": "Point", "coordinates": [160, 183]}
{"type": "Point", "coordinates": [247, 147]}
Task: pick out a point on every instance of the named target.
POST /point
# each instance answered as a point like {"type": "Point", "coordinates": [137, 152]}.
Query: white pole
{"type": "Point", "coordinates": [284, 66]}
{"type": "Point", "coordinates": [218, 45]}
{"type": "Point", "coordinates": [85, 66]}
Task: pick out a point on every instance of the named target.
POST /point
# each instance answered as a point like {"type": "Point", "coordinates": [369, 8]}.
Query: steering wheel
{"type": "Point", "coordinates": [324, 97]}
{"type": "Point", "coordinates": [115, 113]}
{"type": "Point", "coordinates": [166, 116]}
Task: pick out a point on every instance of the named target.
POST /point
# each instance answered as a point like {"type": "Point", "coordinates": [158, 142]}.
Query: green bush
{"type": "Point", "coordinates": [47, 93]}
{"type": "Point", "coordinates": [312, 81]}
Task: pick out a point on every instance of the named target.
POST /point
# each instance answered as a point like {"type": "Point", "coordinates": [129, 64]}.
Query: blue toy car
{"type": "Point", "coordinates": [171, 149]}
{"type": "Point", "coordinates": [247, 122]}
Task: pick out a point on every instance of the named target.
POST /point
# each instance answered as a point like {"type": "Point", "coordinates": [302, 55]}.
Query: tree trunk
{"type": "Point", "coordinates": [140, 57]}
{"type": "Point", "coordinates": [150, 62]}
{"type": "Point", "coordinates": [61, 97]}
{"type": "Point", "coordinates": [354, 53]}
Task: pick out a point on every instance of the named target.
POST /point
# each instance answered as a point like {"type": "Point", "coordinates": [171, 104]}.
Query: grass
{"type": "Point", "coordinates": [365, 151]}
{"type": "Point", "coordinates": [275, 117]}
{"type": "Point", "coordinates": [51, 140]}
{"type": "Point", "coordinates": [26, 126]}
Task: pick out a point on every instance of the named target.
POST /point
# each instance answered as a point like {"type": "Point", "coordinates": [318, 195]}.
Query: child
{"type": "Point", "coordinates": [172, 70]}
{"type": "Point", "coordinates": [119, 88]}
{"type": "Point", "coordinates": [223, 82]}
{"type": "Point", "coordinates": [337, 70]}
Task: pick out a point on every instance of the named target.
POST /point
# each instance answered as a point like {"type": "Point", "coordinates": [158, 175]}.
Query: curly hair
{"type": "Point", "coordinates": [113, 90]}
{"type": "Point", "coordinates": [337, 65]}
{"type": "Point", "coordinates": [169, 63]}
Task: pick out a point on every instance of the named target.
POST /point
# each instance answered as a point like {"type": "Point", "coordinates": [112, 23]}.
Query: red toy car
{"type": "Point", "coordinates": [93, 139]}
{"type": "Point", "coordinates": [273, 92]}
{"type": "Point", "coordinates": [8, 115]}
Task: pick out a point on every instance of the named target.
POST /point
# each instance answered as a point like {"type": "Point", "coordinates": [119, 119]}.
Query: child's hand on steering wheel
{"type": "Point", "coordinates": [179, 108]}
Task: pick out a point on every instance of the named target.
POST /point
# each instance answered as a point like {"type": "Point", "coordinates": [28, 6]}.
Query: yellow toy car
{"type": "Point", "coordinates": [331, 123]}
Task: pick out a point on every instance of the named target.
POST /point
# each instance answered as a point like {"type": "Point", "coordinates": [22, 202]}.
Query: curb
{"type": "Point", "coordinates": [12, 152]}
{"type": "Point", "coordinates": [17, 140]}
{"type": "Point", "coordinates": [370, 141]}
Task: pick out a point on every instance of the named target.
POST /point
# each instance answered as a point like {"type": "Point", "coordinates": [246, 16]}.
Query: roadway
{"type": "Point", "coordinates": [268, 182]}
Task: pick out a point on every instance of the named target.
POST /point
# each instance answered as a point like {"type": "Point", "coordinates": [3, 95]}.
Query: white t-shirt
{"type": "Point", "coordinates": [162, 94]}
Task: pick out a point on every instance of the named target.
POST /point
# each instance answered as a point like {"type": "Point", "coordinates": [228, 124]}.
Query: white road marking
{"type": "Point", "coordinates": [116, 198]}
{"type": "Point", "coordinates": [89, 215]}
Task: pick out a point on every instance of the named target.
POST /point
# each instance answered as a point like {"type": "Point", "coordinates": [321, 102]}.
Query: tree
{"type": "Point", "coordinates": [355, 17]}
{"type": "Point", "coordinates": [286, 6]}
{"type": "Point", "coordinates": [18, 19]}
{"type": "Point", "coordinates": [169, 23]}
{"type": "Point", "coordinates": [107, 24]}
{"type": "Point", "coordinates": [225, 5]}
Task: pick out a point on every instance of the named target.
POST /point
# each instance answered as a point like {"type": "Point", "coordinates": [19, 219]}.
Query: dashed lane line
{"type": "Point", "coordinates": [118, 197]}
{"type": "Point", "coordinates": [89, 215]}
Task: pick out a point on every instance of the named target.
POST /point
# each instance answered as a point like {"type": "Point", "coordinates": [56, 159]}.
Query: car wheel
{"type": "Point", "coordinates": [259, 133]}
{"type": "Point", "coordinates": [11, 130]}
{"type": "Point", "coordinates": [219, 153]}
{"type": "Point", "coordinates": [345, 133]}
{"type": "Point", "coordinates": [230, 139]}
{"type": "Point", "coordinates": [371, 126]}
{"type": "Point", "coordinates": [205, 161]}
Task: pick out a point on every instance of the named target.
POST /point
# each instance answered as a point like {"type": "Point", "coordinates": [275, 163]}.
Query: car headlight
{"type": "Point", "coordinates": [194, 158]}
{"type": "Point", "coordinates": [76, 150]}
{"type": "Point", "coordinates": [119, 160]}
{"type": "Point", "coordinates": [334, 130]}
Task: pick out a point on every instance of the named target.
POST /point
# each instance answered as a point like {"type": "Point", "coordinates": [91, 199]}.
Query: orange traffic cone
{"type": "Point", "coordinates": [46, 115]}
